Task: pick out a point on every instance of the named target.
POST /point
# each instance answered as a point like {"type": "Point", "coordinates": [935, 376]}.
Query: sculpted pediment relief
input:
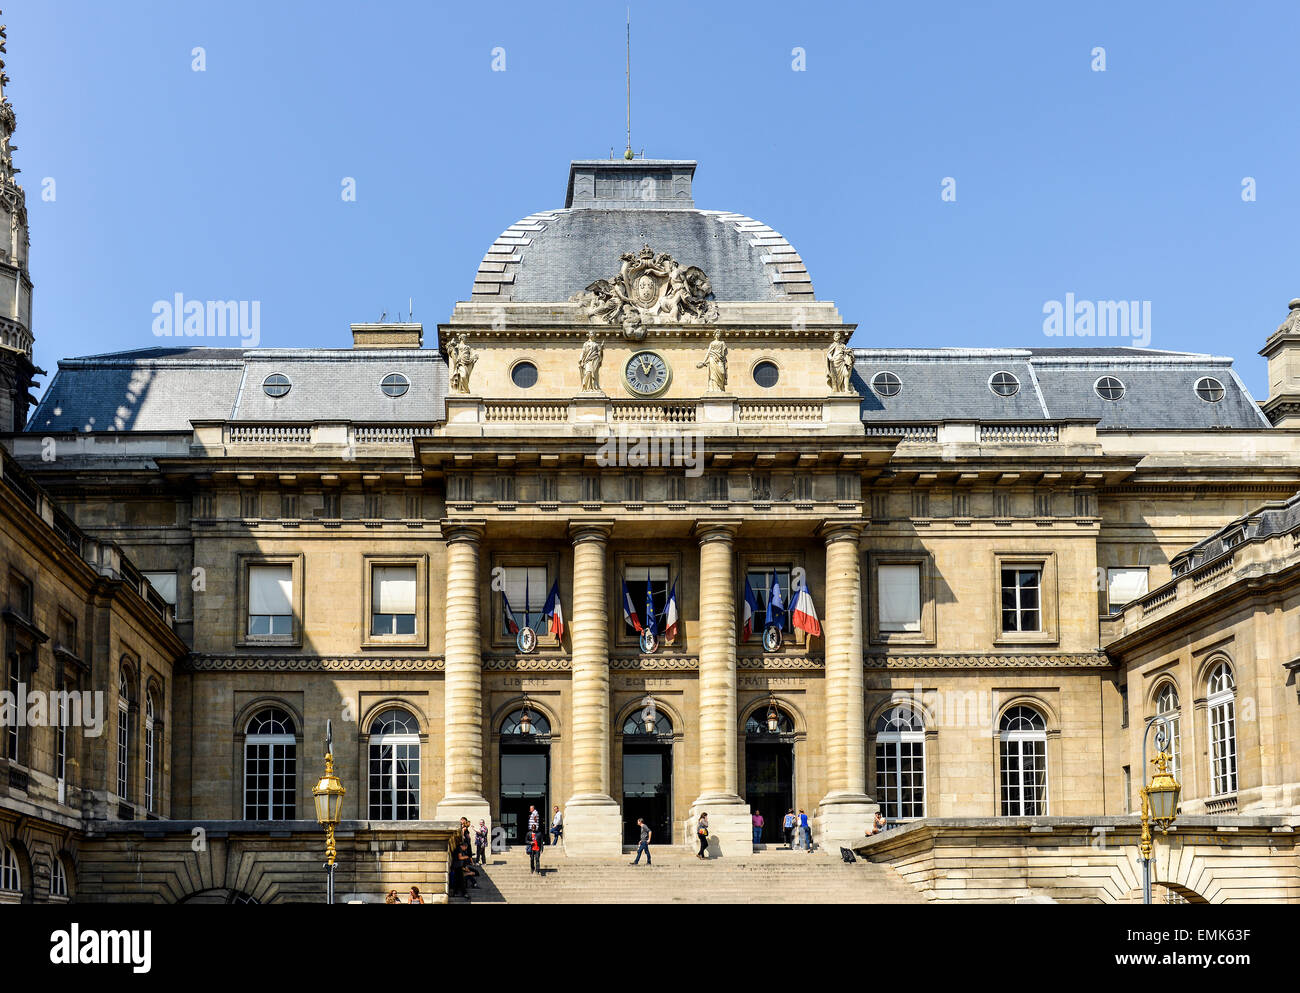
{"type": "Point", "coordinates": [649, 289]}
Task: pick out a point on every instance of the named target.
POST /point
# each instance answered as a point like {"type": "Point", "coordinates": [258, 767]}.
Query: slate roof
{"type": "Point", "coordinates": [1264, 523]}
{"type": "Point", "coordinates": [164, 389]}
{"type": "Point", "coordinates": [1055, 384]}
{"type": "Point", "coordinates": [617, 206]}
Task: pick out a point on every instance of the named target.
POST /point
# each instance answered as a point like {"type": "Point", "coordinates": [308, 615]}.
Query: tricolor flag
{"type": "Point", "coordinates": [670, 616]}
{"type": "Point", "coordinates": [748, 611]}
{"type": "Point", "coordinates": [651, 622]}
{"type": "Point", "coordinates": [629, 610]}
{"type": "Point", "coordinates": [803, 613]}
{"type": "Point", "coordinates": [776, 605]}
{"type": "Point", "coordinates": [553, 612]}
{"type": "Point", "coordinates": [512, 625]}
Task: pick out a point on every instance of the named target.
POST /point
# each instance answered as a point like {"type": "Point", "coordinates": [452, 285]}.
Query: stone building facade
{"type": "Point", "coordinates": [645, 407]}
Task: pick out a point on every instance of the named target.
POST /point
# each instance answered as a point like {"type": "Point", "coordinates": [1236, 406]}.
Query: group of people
{"type": "Point", "coordinates": [415, 896]}
{"type": "Point", "coordinates": [796, 831]}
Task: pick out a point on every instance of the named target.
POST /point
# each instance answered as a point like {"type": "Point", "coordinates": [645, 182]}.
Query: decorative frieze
{"type": "Point", "coordinates": [1086, 660]}
{"type": "Point", "coordinates": [197, 662]}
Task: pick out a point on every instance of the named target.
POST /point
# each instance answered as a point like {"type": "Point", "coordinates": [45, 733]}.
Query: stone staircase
{"type": "Point", "coordinates": [774, 876]}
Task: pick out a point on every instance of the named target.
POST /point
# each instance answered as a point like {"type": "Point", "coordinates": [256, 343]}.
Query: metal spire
{"type": "Point", "coordinates": [628, 154]}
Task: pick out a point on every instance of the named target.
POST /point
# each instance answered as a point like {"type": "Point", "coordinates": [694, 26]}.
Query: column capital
{"type": "Point", "coordinates": [466, 530]}
{"type": "Point", "coordinates": [595, 530]}
{"type": "Point", "coordinates": [706, 531]}
{"type": "Point", "coordinates": [832, 531]}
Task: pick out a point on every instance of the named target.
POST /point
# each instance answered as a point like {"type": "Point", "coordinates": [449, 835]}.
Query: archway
{"type": "Point", "coordinates": [648, 775]}
{"type": "Point", "coordinates": [769, 768]}
{"type": "Point", "coordinates": [525, 762]}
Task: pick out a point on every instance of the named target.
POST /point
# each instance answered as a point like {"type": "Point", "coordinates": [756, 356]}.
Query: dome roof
{"type": "Point", "coordinates": [616, 206]}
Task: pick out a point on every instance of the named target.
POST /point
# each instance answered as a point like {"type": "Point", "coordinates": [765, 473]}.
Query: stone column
{"type": "Point", "coordinates": [593, 823]}
{"type": "Point", "coordinates": [463, 680]}
{"type": "Point", "coordinates": [729, 819]}
{"type": "Point", "coordinates": [845, 811]}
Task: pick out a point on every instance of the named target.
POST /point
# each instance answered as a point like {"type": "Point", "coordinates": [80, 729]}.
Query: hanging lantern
{"type": "Point", "coordinates": [773, 718]}
{"type": "Point", "coordinates": [649, 716]}
{"type": "Point", "coordinates": [526, 721]}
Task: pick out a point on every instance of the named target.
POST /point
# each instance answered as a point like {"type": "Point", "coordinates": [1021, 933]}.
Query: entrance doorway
{"type": "Point", "coordinates": [769, 769]}
{"type": "Point", "coordinates": [525, 763]}
{"type": "Point", "coordinates": [648, 775]}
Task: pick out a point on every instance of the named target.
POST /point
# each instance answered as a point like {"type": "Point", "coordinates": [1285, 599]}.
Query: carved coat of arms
{"type": "Point", "coordinates": [650, 289]}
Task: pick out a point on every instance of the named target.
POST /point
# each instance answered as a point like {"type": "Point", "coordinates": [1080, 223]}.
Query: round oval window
{"type": "Point", "coordinates": [766, 374]}
{"type": "Point", "coordinates": [395, 385]}
{"type": "Point", "coordinates": [276, 385]}
{"type": "Point", "coordinates": [524, 375]}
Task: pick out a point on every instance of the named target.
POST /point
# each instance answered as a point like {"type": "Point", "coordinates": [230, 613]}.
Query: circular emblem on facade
{"type": "Point", "coordinates": [649, 643]}
{"type": "Point", "coordinates": [771, 638]}
{"type": "Point", "coordinates": [526, 641]}
{"type": "Point", "coordinates": [646, 373]}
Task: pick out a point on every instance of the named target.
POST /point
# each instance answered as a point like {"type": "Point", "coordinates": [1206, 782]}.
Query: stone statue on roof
{"type": "Point", "coordinates": [839, 366]}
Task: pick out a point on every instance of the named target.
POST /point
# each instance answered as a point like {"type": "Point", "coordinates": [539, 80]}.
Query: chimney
{"type": "Point", "coordinates": [391, 335]}
{"type": "Point", "coordinates": [1283, 353]}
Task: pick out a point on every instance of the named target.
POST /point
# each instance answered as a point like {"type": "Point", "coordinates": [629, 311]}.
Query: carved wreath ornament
{"type": "Point", "coordinates": [649, 289]}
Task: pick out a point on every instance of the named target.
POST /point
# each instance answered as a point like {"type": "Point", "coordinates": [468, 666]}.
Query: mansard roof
{"type": "Point", "coordinates": [615, 206]}
{"type": "Point", "coordinates": [164, 389]}
{"type": "Point", "coordinates": [1159, 387]}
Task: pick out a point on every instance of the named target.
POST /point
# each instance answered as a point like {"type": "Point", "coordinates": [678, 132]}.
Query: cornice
{"type": "Point", "coordinates": [1089, 660]}
{"type": "Point", "coordinates": [198, 662]}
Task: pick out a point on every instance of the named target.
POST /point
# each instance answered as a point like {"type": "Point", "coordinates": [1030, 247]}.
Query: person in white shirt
{"type": "Point", "coordinates": [557, 826]}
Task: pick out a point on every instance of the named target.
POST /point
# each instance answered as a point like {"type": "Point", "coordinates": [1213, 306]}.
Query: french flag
{"type": "Point", "coordinates": [554, 612]}
{"type": "Point", "coordinates": [512, 625]}
{"type": "Point", "coordinates": [629, 610]}
{"type": "Point", "coordinates": [670, 615]}
{"type": "Point", "coordinates": [749, 610]}
{"type": "Point", "coordinates": [803, 613]}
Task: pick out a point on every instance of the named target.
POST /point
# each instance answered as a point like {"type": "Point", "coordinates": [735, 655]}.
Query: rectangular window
{"type": "Point", "coordinates": [289, 506]}
{"type": "Point", "coordinates": [13, 685]}
{"type": "Point", "coordinates": [123, 747]}
{"type": "Point", "coordinates": [61, 742]}
{"type": "Point", "coordinates": [920, 503]}
{"type": "Point", "coordinates": [392, 599]}
{"type": "Point", "coordinates": [1124, 585]}
{"type": "Point", "coordinates": [898, 602]}
{"type": "Point", "coordinates": [961, 505]}
{"type": "Point", "coordinates": [761, 581]}
{"type": "Point", "coordinates": [637, 577]}
{"type": "Point", "coordinates": [270, 599]}
{"type": "Point", "coordinates": [165, 584]}
{"type": "Point", "coordinates": [1022, 598]}
{"type": "Point", "coordinates": [1123, 706]}
{"type": "Point", "coordinates": [20, 595]}
{"type": "Point", "coordinates": [332, 506]}
{"type": "Point", "coordinates": [526, 587]}
{"type": "Point", "coordinates": [249, 505]}
{"type": "Point", "coordinates": [1128, 790]}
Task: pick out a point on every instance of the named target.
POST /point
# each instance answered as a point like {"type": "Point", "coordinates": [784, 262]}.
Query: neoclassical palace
{"type": "Point", "coordinates": [564, 553]}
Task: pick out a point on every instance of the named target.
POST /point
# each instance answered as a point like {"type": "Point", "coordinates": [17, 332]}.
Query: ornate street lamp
{"type": "Point", "coordinates": [526, 719]}
{"type": "Point", "coordinates": [1159, 799]}
{"type": "Point", "coordinates": [328, 793]}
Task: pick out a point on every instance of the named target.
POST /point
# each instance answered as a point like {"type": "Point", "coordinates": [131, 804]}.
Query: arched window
{"type": "Point", "coordinates": [11, 879]}
{"type": "Point", "coordinates": [514, 725]}
{"type": "Point", "coordinates": [123, 731]}
{"type": "Point", "coordinates": [1221, 701]}
{"type": "Point", "coordinates": [900, 763]}
{"type": "Point", "coordinates": [58, 878]}
{"type": "Point", "coordinates": [270, 767]}
{"type": "Point", "coordinates": [1022, 741]}
{"type": "Point", "coordinates": [394, 767]}
{"type": "Point", "coordinates": [149, 754]}
{"type": "Point", "coordinates": [648, 722]}
{"type": "Point", "coordinates": [1168, 712]}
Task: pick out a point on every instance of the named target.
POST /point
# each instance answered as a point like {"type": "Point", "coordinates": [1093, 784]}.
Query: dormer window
{"type": "Point", "coordinates": [276, 385]}
{"type": "Point", "coordinates": [1209, 389]}
{"type": "Point", "coordinates": [1004, 384]}
{"type": "Point", "coordinates": [395, 385]}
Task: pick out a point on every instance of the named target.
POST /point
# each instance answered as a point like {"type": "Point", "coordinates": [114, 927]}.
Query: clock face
{"type": "Point", "coordinates": [646, 373]}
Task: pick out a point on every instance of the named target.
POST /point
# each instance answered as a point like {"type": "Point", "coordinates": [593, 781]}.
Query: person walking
{"type": "Point", "coordinates": [805, 830]}
{"type": "Point", "coordinates": [534, 818]}
{"type": "Point", "coordinates": [787, 829]}
{"type": "Point", "coordinates": [702, 832]}
{"type": "Point", "coordinates": [758, 827]}
{"type": "Point", "coordinates": [557, 826]}
{"type": "Point", "coordinates": [533, 842]}
{"type": "Point", "coordinates": [644, 844]}
{"type": "Point", "coordinates": [480, 843]}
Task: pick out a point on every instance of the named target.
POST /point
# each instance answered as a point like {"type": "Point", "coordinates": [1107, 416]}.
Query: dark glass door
{"type": "Point", "coordinates": [769, 784]}
{"type": "Point", "coordinates": [648, 791]}
{"type": "Point", "coordinates": [525, 772]}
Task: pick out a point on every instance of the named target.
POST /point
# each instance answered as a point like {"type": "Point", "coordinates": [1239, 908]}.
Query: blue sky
{"type": "Point", "coordinates": [225, 184]}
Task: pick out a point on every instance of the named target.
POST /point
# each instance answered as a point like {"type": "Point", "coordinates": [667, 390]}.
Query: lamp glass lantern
{"type": "Point", "coordinates": [328, 794]}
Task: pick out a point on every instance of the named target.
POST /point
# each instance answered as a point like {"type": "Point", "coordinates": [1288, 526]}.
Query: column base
{"type": "Point", "coordinates": [731, 826]}
{"type": "Point", "coordinates": [593, 826]}
{"type": "Point", "coordinates": [473, 808]}
{"type": "Point", "coordinates": [842, 819]}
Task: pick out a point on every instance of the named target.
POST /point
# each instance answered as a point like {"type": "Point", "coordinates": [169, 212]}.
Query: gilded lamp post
{"type": "Point", "coordinates": [329, 792]}
{"type": "Point", "coordinates": [1159, 799]}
